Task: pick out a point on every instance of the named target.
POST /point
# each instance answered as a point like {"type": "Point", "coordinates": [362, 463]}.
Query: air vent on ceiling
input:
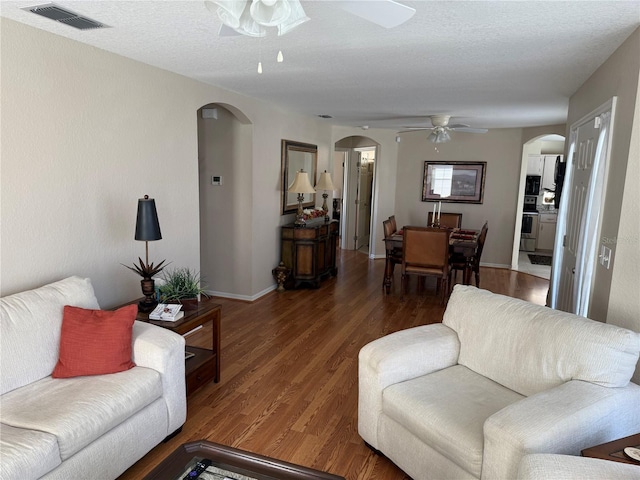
{"type": "Point", "coordinates": [54, 12]}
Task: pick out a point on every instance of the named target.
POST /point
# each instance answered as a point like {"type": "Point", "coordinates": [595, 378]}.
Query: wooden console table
{"type": "Point", "coordinates": [309, 252]}
{"type": "Point", "coordinates": [204, 366]}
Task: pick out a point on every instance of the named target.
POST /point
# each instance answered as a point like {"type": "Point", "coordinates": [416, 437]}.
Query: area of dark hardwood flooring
{"type": "Point", "coordinates": [289, 386]}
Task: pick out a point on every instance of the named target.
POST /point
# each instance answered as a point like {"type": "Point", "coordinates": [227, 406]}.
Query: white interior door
{"type": "Point", "coordinates": [582, 195]}
{"type": "Point", "coordinates": [351, 200]}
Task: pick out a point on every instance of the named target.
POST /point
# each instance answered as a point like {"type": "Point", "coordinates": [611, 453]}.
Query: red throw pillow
{"type": "Point", "coordinates": [95, 342]}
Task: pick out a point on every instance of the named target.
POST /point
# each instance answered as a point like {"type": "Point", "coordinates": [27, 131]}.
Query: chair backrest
{"type": "Point", "coordinates": [481, 239]}
{"type": "Point", "coordinates": [425, 247]}
{"type": "Point", "coordinates": [392, 219]}
{"type": "Point", "coordinates": [447, 220]}
{"type": "Point", "coordinates": [387, 228]}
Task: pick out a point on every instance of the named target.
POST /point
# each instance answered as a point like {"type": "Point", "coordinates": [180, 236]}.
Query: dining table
{"type": "Point", "coordinates": [463, 241]}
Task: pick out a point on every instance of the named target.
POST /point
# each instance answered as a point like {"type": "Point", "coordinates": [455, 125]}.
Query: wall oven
{"type": "Point", "coordinates": [529, 231]}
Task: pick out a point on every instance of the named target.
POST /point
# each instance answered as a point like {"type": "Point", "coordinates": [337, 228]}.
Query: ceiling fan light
{"type": "Point", "coordinates": [439, 135]}
{"type": "Point", "coordinates": [229, 11]}
{"type": "Point", "coordinates": [296, 18]}
{"type": "Point", "coordinates": [270, 15]}
{"type": "Point", "coordinates": [248, 26]}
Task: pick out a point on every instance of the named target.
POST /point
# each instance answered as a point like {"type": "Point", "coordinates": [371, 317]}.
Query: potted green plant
{"type": "Point", "coordinates": [181, 285]}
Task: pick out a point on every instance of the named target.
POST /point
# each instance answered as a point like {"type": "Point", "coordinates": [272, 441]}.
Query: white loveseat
{"type": "Point", "coordinates": [497, 379]}
{"type": "Point", "coordinates": [82, 427]}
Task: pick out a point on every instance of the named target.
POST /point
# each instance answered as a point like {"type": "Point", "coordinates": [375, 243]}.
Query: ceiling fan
{"type": "Point", "coordinates": [440, 128]}
{"type": "Point", "coordinates": [251, 17]}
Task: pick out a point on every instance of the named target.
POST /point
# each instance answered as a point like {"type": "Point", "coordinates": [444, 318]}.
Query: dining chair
{"type": "Point", "coordinates": [394, 226]}
{"type": "Point", "coordinates": [459, 262]}
{"type": "Point", "coordinates": [425, 253]}
{"type": "Point", "coordinates": [447, 220]}
{"type": "Point", "coordinates": [394, 255]}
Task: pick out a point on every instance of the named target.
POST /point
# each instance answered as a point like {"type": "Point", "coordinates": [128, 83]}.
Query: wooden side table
{"type": "Point", "coordinates": [614, 450]}
{"type": "Point", "coordinates": [204, 366]}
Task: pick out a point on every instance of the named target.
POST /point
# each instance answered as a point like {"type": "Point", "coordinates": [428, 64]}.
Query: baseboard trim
{"type": "Point", "coordinates": [246, 298]}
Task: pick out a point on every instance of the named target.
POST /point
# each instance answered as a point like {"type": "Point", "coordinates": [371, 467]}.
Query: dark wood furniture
{"type": "Point", "coordinates": [472, 263]}
{"type": "Point", "coordinates": [393, 255]}
{"type": "Point", "coordinates": [425, 253]}
{"type": "Point", "coordinates": [233, 460]}
{"type": "Point", "coordinates": [309, 252]}
{"type": "Point", "coordinates": [464, 242]}
{"type": "Point", "coordinates": [614, 450]}
{"type": "Point", "coordinates": [204, 366]}
{"type": "Point", "coordinates": [447, 220]}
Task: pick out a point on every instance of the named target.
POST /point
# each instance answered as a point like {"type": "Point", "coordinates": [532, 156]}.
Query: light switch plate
{"type": "Point", "coordinates": [605, 257]}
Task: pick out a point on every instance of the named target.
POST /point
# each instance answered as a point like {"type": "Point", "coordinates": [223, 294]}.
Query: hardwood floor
{"type": "Point", "coordinates": [289, 386]}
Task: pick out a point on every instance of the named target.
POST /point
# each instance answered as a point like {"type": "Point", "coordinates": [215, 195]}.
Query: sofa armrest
{"type": "Point", "coordinates": [162, 350]}
{"type": "Point", "coordinates": [566, 467]}
{"type": "Point", "coordinates": [396, 358]}
{"type": "Point", "coordinates": [564, 419]}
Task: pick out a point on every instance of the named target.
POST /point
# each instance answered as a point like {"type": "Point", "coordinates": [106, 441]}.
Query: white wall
{"type": "Point", "coordinates": [501, 149]}
{"type": "Point", "coordinates": [85, 133]}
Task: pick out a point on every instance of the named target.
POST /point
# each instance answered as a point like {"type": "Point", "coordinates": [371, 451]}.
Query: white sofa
{"type": "Point", "coordinates": [497, 379]}
{"type": "Point", "coordinates": [564, 467]}
{"type": "Point", "coordinates": [82, 427]}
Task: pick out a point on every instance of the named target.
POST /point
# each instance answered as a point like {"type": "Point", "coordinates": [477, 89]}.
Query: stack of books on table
{"type": "Point", "coordinates": [169, 312]}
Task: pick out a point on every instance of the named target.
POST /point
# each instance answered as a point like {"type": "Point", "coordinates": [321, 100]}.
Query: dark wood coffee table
{"type": "Point", "coordinates": [180, 462]}
{"type": "Point", "coordinates": [614, 450]}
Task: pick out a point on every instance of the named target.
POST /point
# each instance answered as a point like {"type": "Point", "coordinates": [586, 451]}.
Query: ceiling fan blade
{"type": "Point", "coordinates": [386, 13]}
{"type": "Point", "coordinates": [459, 125]}
{"type": "Point", "coordinates": [469, 129]}
{"type": "Point", "coordinates": [414, 129]}
{"type": "Point", "coordinates": [227, 31]}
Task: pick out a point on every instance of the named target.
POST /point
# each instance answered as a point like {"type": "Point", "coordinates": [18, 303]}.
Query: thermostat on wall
{"type": "Point", "coordinates": [216, 180]}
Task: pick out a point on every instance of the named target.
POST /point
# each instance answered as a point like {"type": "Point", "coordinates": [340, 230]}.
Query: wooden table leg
{"type": "Point", "coordinates": [468, 269]}
{"type": "Point", "coordinates": [388, 275]}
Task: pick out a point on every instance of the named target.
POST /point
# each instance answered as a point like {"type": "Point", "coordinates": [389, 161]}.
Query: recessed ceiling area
{"type": "Point", "coordinates": [487, 64]}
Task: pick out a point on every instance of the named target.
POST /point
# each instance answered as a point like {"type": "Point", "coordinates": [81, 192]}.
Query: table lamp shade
{"type": "Point", "coordinates": [147, 225]}
{"type": "Point", "coordinates": [301, 183]}
{"type": "Point", "coordinates": [325, 182]}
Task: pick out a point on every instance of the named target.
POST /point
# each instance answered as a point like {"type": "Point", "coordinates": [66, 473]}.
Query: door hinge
{"type": "Point", "coordinates": [564, 241]}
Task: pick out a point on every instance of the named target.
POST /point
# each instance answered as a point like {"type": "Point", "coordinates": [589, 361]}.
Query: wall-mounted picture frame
{"type": "Point", "coordinates": [297, 156]}
{"type": "Point", "coordinates": [453, 182]}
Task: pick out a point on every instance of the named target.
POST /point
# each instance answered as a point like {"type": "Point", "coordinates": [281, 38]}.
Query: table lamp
{"type": "Point", "coordinates": [325, 184]}
{"type": "Point", "coordinates": [301, 185]}
{"type": "Point", "coordinates": [147, 229]}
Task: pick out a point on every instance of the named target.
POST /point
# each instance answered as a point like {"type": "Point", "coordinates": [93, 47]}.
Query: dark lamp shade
{"type": "Point", "coordinates": [147, 225]}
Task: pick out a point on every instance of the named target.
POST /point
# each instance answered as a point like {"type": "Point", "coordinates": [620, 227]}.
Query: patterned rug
{"type": "Point", "coordinates": [540, 259]}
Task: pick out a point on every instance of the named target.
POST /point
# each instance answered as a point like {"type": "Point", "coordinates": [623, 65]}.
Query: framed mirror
{"type": "Point", "coordinates": [297, 156]}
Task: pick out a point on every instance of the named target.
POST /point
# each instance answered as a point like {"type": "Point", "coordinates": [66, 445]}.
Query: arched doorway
{"type": "Point", "coordinates": [536, 215]}
{"type": "Point", "coordinates": [355, 161]}
{"type": "Point", "coordinates": [225, 151]}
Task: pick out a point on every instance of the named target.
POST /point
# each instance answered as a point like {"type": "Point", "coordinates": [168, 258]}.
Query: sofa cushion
{"type": "Point", "coordinates": [546, 347]}
{"type": "Point", "coordinates": [30, 323]}
{"type": "Point", "coordinates": [27, 453]}
{"type": "Point", "coordinates": [447, 410]}
{"type": "Point", "coordinates": [95, 342]}
{"type": "Point", "coordinates": [81, 409]}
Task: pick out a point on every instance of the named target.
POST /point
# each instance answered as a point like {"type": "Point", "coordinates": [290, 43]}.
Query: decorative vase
{"type": "Point", "coordinates": [149, 291]}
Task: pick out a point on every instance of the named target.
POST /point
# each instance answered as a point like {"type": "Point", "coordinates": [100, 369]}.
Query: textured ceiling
{"type": "Point", "coordinates": [489, 64]}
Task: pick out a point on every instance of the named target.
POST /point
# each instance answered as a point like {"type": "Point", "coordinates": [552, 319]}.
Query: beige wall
{"type": "Point", "coordinates": [617, 76]}
{"type": "Point", "coordinates": [85, 133]}
{"type": "Point", "coordinates": [501, 149]}
{"type": "Point", "coordinates": [225, 149]}
{"type": "Point", "coordinates": [615, 291]}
